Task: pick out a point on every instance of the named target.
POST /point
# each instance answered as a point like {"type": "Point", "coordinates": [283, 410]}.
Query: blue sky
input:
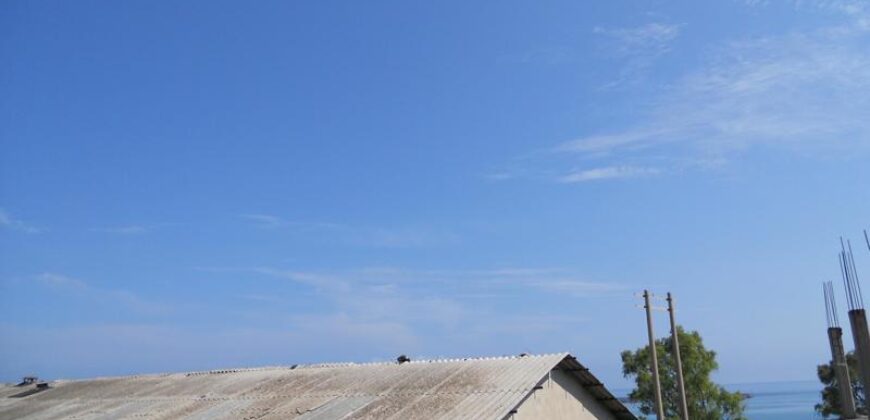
{"type": "Point", "coordinates": [200, 185]}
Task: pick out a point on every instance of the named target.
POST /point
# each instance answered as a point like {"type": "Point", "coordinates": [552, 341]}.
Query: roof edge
{"type": "Point", "coordinates": [588, 381]}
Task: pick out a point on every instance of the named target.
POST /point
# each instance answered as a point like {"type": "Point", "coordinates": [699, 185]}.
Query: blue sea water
{"type": "Point", "coordinates": [781, 400]}
{"type": "Point", "coordinates": [778, 400]}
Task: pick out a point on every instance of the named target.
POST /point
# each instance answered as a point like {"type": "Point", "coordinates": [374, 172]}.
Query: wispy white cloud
{"type": "Point", "coordinates": [607, 172]}
{"type": "Point", "coordinates": [796, 92]}
{"type": "Point", "coordinates": [57, 281]}
{"type": "Point", "coordinates": [651, 36]}
{"type": "Point", "coordinates": [375, 300]}
{"type": "Point", "coordinates": [262, 298]}
{"type": "Point", "coordinates": [428, 308]}
{"type": "Point", "coordinates": [388, 237]}
{"type": "Point", "coordinates": [575, 287]}
{"type": "Point", "coordinates": [127, 348]}
{"type": "Point", "coordinates": [638, 48]}
{"type": "Point", "coordinates": [536, 323]}
{"type": "Point", "coordinates": [359, 315]}
{"type": "Point", "coordinates": [79, 288]}
{"type": "Point", "coordinates": [552, 281]}
{"type": "Point", "coordinates": [848, 7]}
{"type": "Point", "coordinates": [547, 55]}
{"type": "Point", "coordinates": [321, 282]}
{"type": "Point", "coordinates": [802, 93]}
{"type": "Point", "coordinates": [441, 299]}
{"type": "Point", "coordinates": [499, 176]}
{"type": "Point", "coordinates": [11, 223]}
{"type": "Point", "coordinates": [124, 230]}
{"type": "Point", "coordinates": [400, 237]}
{"type": "Point", "coordinates": [446, 283]}
{"type": "Point", "coordinates": [267, 221]}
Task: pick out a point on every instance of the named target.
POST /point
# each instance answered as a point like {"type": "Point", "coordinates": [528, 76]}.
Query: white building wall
{"type": "Point", "coordinates": [562, 398]}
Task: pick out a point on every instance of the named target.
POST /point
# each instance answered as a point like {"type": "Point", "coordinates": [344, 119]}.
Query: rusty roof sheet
{"type": "Point", "coordinates": [480, 388]}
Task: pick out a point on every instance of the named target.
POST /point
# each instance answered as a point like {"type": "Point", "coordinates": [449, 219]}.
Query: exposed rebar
{"type": "Point", "coordinates": [844, 273]}
{"type": "Point", "coordinates": [830, 304]}
{"type": "Point", "coordinates": [833, 304]}
{"type": "Point", "coordinates": [827, 306]}
{"type": "Point", "coordinates": [855, 276]}
{"type": "Point", "coordinates": [854, 294]}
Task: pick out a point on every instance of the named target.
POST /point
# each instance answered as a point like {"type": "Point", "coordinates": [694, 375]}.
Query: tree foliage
{"type": "Point", "coordinates": [830, 405]}
{"type": "Point", "coordinates": [706, 400]}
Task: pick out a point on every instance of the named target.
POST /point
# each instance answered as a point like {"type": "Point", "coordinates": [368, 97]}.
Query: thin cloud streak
{"type": "Point", "coordinates": [638, 48]}
{"type": "Point", "coordinates": [76, 287]}
{"type": "Point", "coordinates": [392, 237]}
{"type": "Point", "coordinates": [11, 223]}
{"type": "Point", "coordinates": [452, 302]}
{"type": "Point", "coordinates": [855, 8]}
{"type": "Point", "coordinates": [124, 230]}
{"type": "Point", "coordinates": [321, 282]}
{"type": "Point", "coordinates": [268, 221]}
{"type": "Point", "coordinates": [447, 283]}
{"type": "Point", "coordinates": [608, 172]}
{"type": "Point", "coordinates": [651, 36]}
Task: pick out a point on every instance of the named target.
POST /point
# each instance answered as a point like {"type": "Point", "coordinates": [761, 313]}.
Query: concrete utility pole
{"type": "Point", "coordinates": [838, 354]}
{"type": "Point", "coordinates": [654, 360]}
{"type": "Point", "coordinates": [675, 340]}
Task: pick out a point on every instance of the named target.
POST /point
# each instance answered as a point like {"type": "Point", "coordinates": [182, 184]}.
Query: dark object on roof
{"type": "Point", "coordinates": [28, 380]}
{"type": "Point", "coordinates": [403, 359]}
{"type": "Point", "coordinates": [39, 387]}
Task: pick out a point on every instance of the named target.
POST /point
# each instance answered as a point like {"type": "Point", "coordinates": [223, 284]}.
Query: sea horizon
{"type": "Point", "coordinates": [770, 400]}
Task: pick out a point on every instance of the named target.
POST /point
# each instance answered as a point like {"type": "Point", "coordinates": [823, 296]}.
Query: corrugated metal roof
{"type": "Point", "coordinates": [482, 388]}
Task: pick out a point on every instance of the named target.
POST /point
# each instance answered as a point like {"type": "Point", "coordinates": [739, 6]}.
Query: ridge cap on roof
{"type": "Point", "coordinates": [325, 365]}
{"type": "Point", "coordinates": [430, 361]}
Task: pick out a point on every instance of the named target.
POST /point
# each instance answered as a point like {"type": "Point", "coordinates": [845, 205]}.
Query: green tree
{"type": "Point", "coordinates": [706, 400]}
{"type": "Point", "coordinates": [830, 405]}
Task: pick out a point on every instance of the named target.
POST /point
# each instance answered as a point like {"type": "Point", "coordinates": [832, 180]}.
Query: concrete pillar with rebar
{"type": "Point", "coordinates": [861, 337]}
{"type": "Point", "coordinates": [841, 370]}
{"type": "Point", "coordinates": [857, 316]}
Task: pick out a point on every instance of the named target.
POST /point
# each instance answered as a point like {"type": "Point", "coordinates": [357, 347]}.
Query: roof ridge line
{"type": "Point", "coordinates": [326, 365]}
